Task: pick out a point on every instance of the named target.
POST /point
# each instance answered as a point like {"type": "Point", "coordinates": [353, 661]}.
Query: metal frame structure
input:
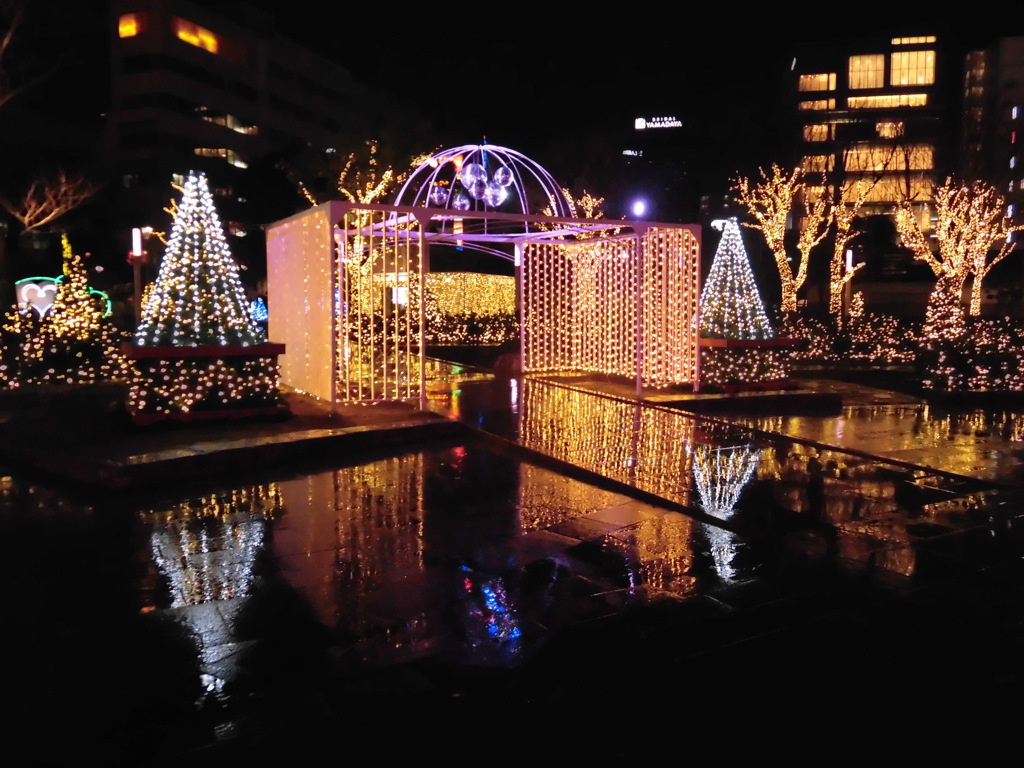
{"type": "Point", "coordinates": [347, 281]}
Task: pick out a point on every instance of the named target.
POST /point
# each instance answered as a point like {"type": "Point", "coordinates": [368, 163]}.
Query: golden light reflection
{"type": "Point", "coordinates": [547, 498]}
{"type": "Point", "coordinates": [362, 530]}
{"type": "Point", "coordinates": [658, 552]}
{"type": "Point", "coordinates": [641, 447]}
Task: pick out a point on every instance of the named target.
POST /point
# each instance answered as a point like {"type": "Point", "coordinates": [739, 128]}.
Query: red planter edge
{"type": "Point", "coordinates": [268, 349]}
{"type": "Point", "coordinates": [749, 343]}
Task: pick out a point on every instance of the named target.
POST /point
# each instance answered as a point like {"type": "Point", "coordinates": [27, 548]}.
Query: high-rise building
{"type": "Point", "coordinates": [992, 142]}
{"type": "Point", "coordinates": [197, 89]}
{"type": "Point", "coordinates": [884, 110]}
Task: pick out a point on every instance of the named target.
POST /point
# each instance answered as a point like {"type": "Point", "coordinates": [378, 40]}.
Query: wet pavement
{"type": "Point", "coordinates": [536, 570]}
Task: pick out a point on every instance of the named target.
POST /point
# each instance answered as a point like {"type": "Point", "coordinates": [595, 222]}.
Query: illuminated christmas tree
{"type": "Point", "coordinates": [199, 353]}
{"type": "Point", "coordinates": [198, 297]}
{"type": "Point", "coordinates": [71, 343]}
{"type": "Point", "coordinates": [733, 320]}
{"type": "Point", "coordinates": [730, 304]}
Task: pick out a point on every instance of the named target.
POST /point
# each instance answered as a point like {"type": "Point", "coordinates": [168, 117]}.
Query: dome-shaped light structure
{"type": "Point", "coordinates": [487, 177]}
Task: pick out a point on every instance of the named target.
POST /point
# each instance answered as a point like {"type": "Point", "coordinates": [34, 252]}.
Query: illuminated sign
{"type": "Point", "coordinates": [643, 123]}
{"type": "Point", "coordinates": [633, 152]}
{"type": "Point", "coordinates": [38, 293]}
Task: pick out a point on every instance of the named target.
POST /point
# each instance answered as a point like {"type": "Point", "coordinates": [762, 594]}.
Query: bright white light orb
{"type": "Point", "coordinates": [639, 208]}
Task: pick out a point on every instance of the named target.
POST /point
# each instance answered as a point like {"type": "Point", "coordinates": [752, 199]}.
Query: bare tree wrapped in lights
{"type": "Point", "coordinates": [198, 351]}
{"type": "Point", "coordinates": [771, 202]}
{"type": "Point", "coordinates": [738, 344]}
{"type": "Point", "coordinates": [973, 236]}
{"type": "Point", "coordinates": [71, 343]}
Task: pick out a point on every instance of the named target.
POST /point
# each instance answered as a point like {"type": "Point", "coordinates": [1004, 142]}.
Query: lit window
{"type": "Point", "coordinates": [818, 163]}
{"type": "Point", "coordinates": [867, 71]}
{"type": "Point", "coordinates": [813, 193]}
{"type": "Point", "coordinates": [1009, 187]}
{"type": "Point", "coordinates": [1013, 113]}
{"type": "Point", "coordinates": [230, 121]}
{"type": "Point", "coordinates": [1013, 162]}
{"type": "Point", "coordinates": [888, 100]}
{"type": "Point", "coordinates": [1013, 137]}
{"type": "Point", "coordinates": [131, 24]}
{"type": "Point", "coordinates": [822, 82]}
{"type": "Point", "coordinates": [818, 104]}
{"type": "Point", "coordinates": [901, 186]}
{"type": "Point", "coordinates": [885, 157]}
{"type": "Point", "coordinates": [913, 68]}
{"type": "Point", "coordinates": [195, 35]}
{"type": "Point", "coordinates": [230, 155]}
{"type": "Point", "coordinates": [922, 40]}
{"type": "Point", "coordinates": [889, 129]}
{"type": "Point", "coordinates": [820, 132]}
{"type": "Point", "coordinates": [1010, 210]}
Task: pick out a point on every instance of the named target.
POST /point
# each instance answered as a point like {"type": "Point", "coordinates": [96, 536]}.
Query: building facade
{"type": "Point", "coordinates": [882, 111]}
{"type": "Point", "coordinates": [218, 91]}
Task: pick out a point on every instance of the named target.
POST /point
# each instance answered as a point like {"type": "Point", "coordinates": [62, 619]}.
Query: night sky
{"type": "Point", "coordinates": [563, 84]}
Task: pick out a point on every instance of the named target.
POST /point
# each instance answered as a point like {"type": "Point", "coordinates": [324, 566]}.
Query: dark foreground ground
{"type": "Point", "coordinates": [810, 656]}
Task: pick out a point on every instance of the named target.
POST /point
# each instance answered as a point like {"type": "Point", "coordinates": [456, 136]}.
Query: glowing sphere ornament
{"type": "Point", "coordinates": [503, 176]}
{"type": "Point", "coordinates": [476, 172]}
{"type": "Point", "coordinates": [438, 195]}
{"type": "Point", "coordinates": [473, 174]}
{"type": "Point", "coordinates": [477, 190]}
{"type": "Point", "coordinates": [495, 194]}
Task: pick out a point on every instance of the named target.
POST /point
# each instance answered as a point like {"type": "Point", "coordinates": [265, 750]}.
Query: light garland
{"type": "Point", "coordinates": [970, 226]}
{"type": "Point", "coordinates": [852, 197]}
{"type": "Point", "coordinates": [730, 303]}
{"type": "Point", "coordinates": [465, 308]}
{"type": "Point", "coordinates": [581, 305]}
{"type": "Point", "coordinates": [377, 337]}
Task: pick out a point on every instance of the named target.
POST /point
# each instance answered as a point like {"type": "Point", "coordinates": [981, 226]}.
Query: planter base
{"type": "Point", "coordinates": [189, 384]}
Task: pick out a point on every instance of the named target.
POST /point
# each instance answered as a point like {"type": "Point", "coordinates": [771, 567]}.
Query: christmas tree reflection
{"type": "Point", "coordinates": [720, 475]}
{"type": "Point", "coordinates": [206, 549]}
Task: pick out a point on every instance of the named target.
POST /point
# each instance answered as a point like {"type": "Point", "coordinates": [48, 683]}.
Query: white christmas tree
{"type": "Point", "coordinates": [730, 304]}
{"type": "Point", "coordinates": [198, 298]}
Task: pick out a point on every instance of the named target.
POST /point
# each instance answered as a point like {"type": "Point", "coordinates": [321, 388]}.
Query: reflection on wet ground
{"type": "Point", "coordinates": [986, 444]}
{"type": "Point", "coordinates": [468, 595]}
